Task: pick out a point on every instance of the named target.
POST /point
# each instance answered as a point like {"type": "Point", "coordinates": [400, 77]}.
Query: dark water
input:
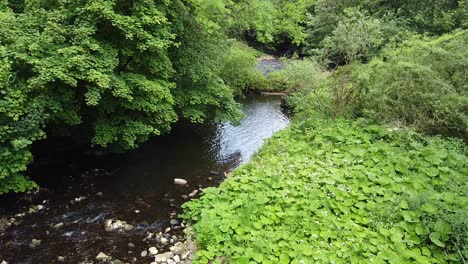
{"type": "Point", "coordinates": [140, 180]}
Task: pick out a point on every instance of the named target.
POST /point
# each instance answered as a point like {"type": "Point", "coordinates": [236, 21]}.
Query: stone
{"type": "Point", "coordinates": [144, 253]}
{"type": "Point", "coordinates": [167, 230]}
{"type": "Point", "coordinates": [176, 258]}
{"type": "Point", "coordinates": [103, 257]}
{"type": "Point", "coordinates": [164, 241]}
{"type": "Point", "coordinates": [59, 225]}
{"type": "Point", "coordinates": [137, 211]}
{"type": "Point", "coordinates": [179, 248]}
{"type": "Point", "coordinates": [153, 251]}
{"type": "Point", "coordinates": [39, 207]}
{"type": "Point", "coordinates": [35, 242]}
{"type": "Point", "coordinates": [108, 225]}
{"type": "Point", "coordinates": [174, 222]}
{"type": "Point", "coordinates": [117, 261]}
{"type": "Point", "coordinates": [178, 181]}
{"type": "Point", "coordinates": [193, 193]}
{"type": "Point", "coordinates": [4, 262]}
{"type": "Point", "coordinates": [131, 245]}
{"type": "Point", "coordinates": [128, 227]}
{"type": "Point", "coordinates": [163, 257]}
{"type": "Point", "coordinates": [170, 261]}
{"type": "Point", "coordinates": [185, 255]}
{"type": "Point", "coordinates": [99, 194]}
{"type": "Point", "coordinates": [60, 259]}
{"type": "Point", "coordinates": [79, 199]}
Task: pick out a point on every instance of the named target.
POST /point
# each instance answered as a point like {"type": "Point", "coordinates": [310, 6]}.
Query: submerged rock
{"type": "Point", "coordinates": [59, 225]}
{"type": "Point", "coordinates": [103, 257]}
{"type": "Point", "coordinates": [60, 259]}
{"type": "Point", "coordinates": [144, 253]}
{"type": "Point", "coordinates": [116, 225]}
{"type": "Point", "coordinates": [35, 242]}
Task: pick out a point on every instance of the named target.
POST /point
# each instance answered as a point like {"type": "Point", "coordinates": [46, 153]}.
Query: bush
{"type": "Point", "coordinates": [239, 69]}
{"type": "Point", "coordinates": [423, 85]}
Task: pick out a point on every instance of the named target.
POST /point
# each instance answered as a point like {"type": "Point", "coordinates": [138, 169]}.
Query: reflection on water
{"type": "Point", "coordinates": [139, 180]}
{"type": "Point", "coordinates": [263, 118]}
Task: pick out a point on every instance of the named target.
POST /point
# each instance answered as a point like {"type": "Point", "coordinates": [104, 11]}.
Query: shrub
{"type": "Point", "coordinates": [238, 69]}
{"type": "Point", "coordinates": [422, 84]}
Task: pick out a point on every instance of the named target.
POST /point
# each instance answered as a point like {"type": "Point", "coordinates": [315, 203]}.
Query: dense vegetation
{"type": "Point", "coordinates": [339, 192]}
{"type": "Point", "coordinates": [351, 181]}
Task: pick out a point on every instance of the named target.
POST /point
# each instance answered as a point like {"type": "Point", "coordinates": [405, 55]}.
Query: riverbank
{"type": "Point", "coordinates": [338, 192]}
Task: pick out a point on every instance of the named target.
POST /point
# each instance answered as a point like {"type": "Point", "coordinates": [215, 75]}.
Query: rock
{"type": "Point", "coordinates": [214, 173]}
{"type": "Point", "coordinates": [164, 241]}
{"type": "Point", "coordinates": [192, 194]}
{"type": "Point", "coordinates": [117, 261]}
{"type": "Point", "coordinates": [60, 259]}
{"type": "Point", "coordinates": [35, 242]}
{"type": "Point", "coordinates": [163, 257]}
{"type": "Point", "coordinates": [108, 225]}
{"type": "Point", "coordinates": [176, 258]}
{"type": "Point", "coordinates": [144, 253]}
{"type": "Point", "coordinates": [153, 251]}
{"type": "Point", "coordinates": [185, 255]}
{"type": "Point", "coordinates": [39, 207]}
{"type": "Point", "coordinates": [79, 199]}
{"type": "Point", "coordinates": [131, 245]}
{"type": "Point", "coordinates": [4, 262]}
{"type": "Point", "coordinates": [179, 248]}
{"type": "Point", "coordinates": [167, 230]}
{"type": "Point", "coordinates": [137, 211]}
{"type": "Point", "coordinates": [174, 222]}
{"type": "Point", "coordinates": [183, 196]}
{"type": "Point", "coordinates": [99, 194]}
{"type": "Point", "coordinates": [103, 257]}
{"type": "Point", "coordinates": [128, 227]}
{"type": "Point", "coordinates": [178, 181]}
{"type": "Point", "coordinates": [59, 225]}
{"type": "Point", "coordinates": [170, 261]}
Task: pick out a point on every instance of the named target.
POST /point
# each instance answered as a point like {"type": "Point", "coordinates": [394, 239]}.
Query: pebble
{"type": "Point", "coordinates": [144, 253]}
{"type": "Point", "coordinates": [99, 194]}
{"type": "Point", "coordinates": [163, 257]}
{"type": "Point", "coordinates": [193, 193]}
{"type": "Point", "coordinates": [60, 259]}
{"type": "Point", "coordinates": [59, 225]}
{"type": "Point", "coordinates": [102, 256]}
{"type": "Point", "coordinates": [176, 258]}
{"type": "Point", "coordinates": [131, 245]}
{"type": "Point", "coordinates": [35, 242]}
{"type": "Point", "coordinates": [167, 230]}
{"type": "Point", "coordinates": [40, 207]}
{"type": "Point", "coordinates": [178, 181]}
{"type": "Point", "coordinates": [137, 211]}
{"type": "Point", "coordinates": [164, 241]}
{"type": "Point", "coordinates": [153, 251]}
{"type": "Point", "coordinates": [174, 222]}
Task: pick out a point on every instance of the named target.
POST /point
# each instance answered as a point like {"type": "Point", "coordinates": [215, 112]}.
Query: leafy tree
{"type": "Point", "coordinates": [116, 71]}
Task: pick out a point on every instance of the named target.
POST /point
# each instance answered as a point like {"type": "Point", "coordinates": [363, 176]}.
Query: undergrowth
{"type": "Point", "coordinates": [339, 192]}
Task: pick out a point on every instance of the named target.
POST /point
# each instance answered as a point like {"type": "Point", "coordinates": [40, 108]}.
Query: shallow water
{"type": "Point", "coordinates": [139, 180]}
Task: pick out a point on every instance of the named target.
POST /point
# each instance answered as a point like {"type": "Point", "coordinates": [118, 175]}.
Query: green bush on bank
{"type": "Point", "coordinates": [238, 69]}
{"type": "Point", "coordinates": [340, 192]}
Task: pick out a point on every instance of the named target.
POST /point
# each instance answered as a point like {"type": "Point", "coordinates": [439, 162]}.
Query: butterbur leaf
{"type": "Point", "coordinates": [435, 238]}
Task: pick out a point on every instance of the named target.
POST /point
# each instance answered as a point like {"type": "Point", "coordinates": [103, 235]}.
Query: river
{"type": "Point", "coordinates": [80, 191]}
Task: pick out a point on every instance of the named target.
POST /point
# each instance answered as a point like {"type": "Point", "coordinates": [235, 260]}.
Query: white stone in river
{"type": "Point", "coordinates": [163, 257]}
{"type": "Point", "coordinates": [102, 256]}
{"type": "Point", "coordinates": [180, 181]}
{"type": "Point", "coordinates": [176, 258]}
{"type": "Point", "coordinates": [144, 253]}
{"type": "Point", "coordinates": [153, 251]}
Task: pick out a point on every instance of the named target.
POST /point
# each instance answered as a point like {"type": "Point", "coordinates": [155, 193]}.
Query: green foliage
{"type": "Point", "coordinates": [238, 69]}
{"type": "Point", "coordinates": [118, 71]}
{"type": "Point", "coordinates": [422, 84]}
{"type": "Point", "coordinates": [339, 192]}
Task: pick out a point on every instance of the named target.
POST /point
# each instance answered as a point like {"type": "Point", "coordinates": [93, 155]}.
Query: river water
{"type": "Point", "coordinates": [82, 190]}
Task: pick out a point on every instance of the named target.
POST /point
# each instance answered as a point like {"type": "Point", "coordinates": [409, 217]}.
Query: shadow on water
{"type": "Point", "coordinates": [114, 186]}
